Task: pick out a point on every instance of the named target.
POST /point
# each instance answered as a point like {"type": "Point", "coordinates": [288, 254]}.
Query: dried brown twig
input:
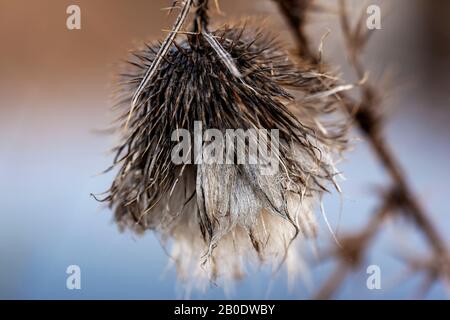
{"type": "Point", "coordinates": [295, 14]}
{"type": "Point", "coordinates": [366, 118]}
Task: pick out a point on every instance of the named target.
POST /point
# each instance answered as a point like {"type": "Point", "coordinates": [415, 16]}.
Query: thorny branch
{"type": "Point", "coordinates": [366, 118]}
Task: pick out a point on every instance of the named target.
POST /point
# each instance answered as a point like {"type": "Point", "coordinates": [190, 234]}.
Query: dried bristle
{"type": "Point", "coordinates": [220, 216]}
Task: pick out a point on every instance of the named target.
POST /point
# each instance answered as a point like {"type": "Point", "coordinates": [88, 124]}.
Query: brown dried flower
{"type": "Point", "coordinates": [219, 216]}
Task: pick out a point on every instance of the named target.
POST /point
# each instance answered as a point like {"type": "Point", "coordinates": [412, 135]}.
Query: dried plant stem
{"type": "Point", "coordinates": [333, 282]}
{"type": "Point", "coordinates": [412, 206]}
{"type": "Point", "coordinates": [351, 253]}
{"type": "Point", "coordinates": [160, 57]}
{"type": "Point", "coordinates": [295, 13]}
{"type": "Point", "coordinates": [367, 120]}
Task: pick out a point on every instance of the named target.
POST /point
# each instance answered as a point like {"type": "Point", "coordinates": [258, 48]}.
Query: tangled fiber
{"type": "Point", "coordinates": [217, 218]}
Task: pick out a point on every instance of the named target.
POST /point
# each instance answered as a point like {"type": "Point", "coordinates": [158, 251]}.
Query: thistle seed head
{"type": "Point", "coordinates": [218, 217]}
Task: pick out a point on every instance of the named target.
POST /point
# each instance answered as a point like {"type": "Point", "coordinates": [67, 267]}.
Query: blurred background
{"type": "Point", "coordinates": [55, 93]}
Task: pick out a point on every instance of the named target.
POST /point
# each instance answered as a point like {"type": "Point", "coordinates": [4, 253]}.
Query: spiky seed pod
{"type": "Point", "coordinates": [218, 217]}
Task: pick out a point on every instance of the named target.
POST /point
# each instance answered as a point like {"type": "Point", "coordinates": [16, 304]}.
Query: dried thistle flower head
{"type": "Point", "coordinates": [217, 216]}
